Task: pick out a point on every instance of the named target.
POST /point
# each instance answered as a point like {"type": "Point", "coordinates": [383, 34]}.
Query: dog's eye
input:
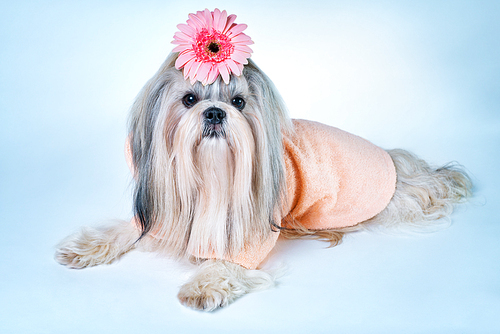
{"type": "Point", "coordinates": [189, 100]}
{"type": "Point", "coordinates": [238, 103]}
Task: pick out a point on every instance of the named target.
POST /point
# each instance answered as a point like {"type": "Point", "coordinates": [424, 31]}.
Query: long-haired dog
{"type": "Point", "coordinates": [211, 184]}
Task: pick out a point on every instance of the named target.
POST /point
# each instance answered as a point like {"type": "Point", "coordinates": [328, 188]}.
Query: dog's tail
{"type": "Point", "coordinates": [424, 194]}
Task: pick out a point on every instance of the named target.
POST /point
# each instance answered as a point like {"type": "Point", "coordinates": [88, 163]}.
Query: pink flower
{"type": "Point", "coordinates": [211, 43]}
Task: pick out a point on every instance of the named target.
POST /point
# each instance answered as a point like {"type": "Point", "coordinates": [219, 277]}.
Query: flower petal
{"type": "Point", "coordinates": [195, 22]}
{"type": "Point", "coordinates": [241, 38]}
{"type": "Point", "coordinates": [229, 24]}
{"type": "Point", "coordinates": [183, 59]}
{"type": "Point", "coordinates": [180, 36]}
{"type": "Point", "coordinates": [224, 72]}
{"type": "Point", "coordinates": [233, 67]}
{"type": "Point", "coordinates": [203, 71]}
{"type": "Point", "coordinates": [214, 73]}
{"type": "Point", "coordinates": [236, 29]}
{"type": "Point", "coordinates": [239, 58]}
{"type": "Point", "coordinates": [249, 42]}
{"type": "Point", "coordinates": [216, 16]}
{"type": "Point", "coordinates": [194, 71]}
{"type": "Point", "coordinates": [243, 48]}
{"type": "Point", "coordinates": [188, 68]}
{"type": "Point", "coordinates": [240, 66]}
{"type": "Point", "coordinates": [188, 30]}
{"type": "Point", "coordinates": [222, 22]}
{"type": "Point", "coordinates": [246, 55]}
{"type": "Point", "coordinates": [181, 48]}
{"type": "Point", "coordinates": [209, 20]}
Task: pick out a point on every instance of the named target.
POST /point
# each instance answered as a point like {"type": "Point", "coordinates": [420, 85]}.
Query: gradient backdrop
{"type": "Point", "coordinates": [420, 75]}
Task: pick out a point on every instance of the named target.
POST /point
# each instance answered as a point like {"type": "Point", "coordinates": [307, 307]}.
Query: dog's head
{"type": "Point", "coordinates": [208, 160]}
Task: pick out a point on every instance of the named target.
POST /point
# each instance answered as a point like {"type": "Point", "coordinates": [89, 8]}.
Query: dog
{"type": "Point", "coordinates": [221, 171]}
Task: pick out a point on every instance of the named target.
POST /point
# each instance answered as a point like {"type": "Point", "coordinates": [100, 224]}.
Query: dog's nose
{"type": "Point", "coordinates": [214, 115]}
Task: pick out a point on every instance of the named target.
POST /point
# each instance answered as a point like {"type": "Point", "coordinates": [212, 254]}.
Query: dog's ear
{"type": "Point", "coordinates": [129, 155]}
{"type": "Point", "coordinates": [270, 186]}
{"type": "Point", "coordinates": [274, 108]}
{"type": "Point", "coordinates": [144, 112]}
{"type": "Point", "coordinates": [144, 127]}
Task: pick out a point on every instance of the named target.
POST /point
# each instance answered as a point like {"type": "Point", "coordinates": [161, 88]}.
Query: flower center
{"type": "Point", "coordinates": [212, 46]}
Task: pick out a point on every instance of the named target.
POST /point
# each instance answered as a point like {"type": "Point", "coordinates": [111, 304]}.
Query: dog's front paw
{"type": "Point", "coordinates": [218, 283]}
{"type": "Point", "coordinates": [87, 248]}
{"type": "Point", "coordinates": [205, 296]}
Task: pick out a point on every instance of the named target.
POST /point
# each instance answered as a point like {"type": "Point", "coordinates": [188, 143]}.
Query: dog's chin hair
{"type": "Point", "coordinates": [223, 212]}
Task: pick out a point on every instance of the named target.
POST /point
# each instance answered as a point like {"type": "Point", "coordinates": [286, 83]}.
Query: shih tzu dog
{"type": "Point", "coordinates": [221, 171]}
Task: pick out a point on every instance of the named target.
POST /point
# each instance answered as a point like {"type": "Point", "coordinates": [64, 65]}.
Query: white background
{"type": "Point", "coordinates": [420, 75]}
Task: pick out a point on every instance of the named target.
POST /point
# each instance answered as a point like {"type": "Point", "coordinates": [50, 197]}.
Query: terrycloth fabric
{"type": "Point", "coordinates": [334, 180]}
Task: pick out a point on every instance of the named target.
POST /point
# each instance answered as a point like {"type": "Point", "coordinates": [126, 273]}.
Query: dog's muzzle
{"type": "Point", "coordinates": [214, 120]}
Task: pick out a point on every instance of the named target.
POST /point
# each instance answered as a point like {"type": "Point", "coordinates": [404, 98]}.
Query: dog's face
{"type": "Point", "coordinates": [209, 165]}
{"type": "Point", "coordinates": [201, 118]}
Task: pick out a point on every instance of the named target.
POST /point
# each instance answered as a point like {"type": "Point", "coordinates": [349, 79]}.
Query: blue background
{"type": "Point", "coordinates": [420, 75]}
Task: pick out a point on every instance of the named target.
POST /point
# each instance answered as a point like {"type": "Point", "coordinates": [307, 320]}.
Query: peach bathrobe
{"type": "Point", "coordinates": [334, 180]}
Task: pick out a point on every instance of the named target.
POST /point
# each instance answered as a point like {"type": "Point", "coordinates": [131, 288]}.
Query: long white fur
{"type": "Point", "coordinates": [224, 197]}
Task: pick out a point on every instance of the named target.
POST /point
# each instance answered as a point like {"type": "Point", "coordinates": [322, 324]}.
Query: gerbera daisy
{"type": "Point", "coordinates": [211, 43]}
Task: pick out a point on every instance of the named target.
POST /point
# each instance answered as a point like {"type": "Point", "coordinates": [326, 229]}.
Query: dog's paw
{"type": "Point", "coordinates": [85, 249]}
{"type": "Point", "coordinates": [77, 255]}
{"type": "Point", "coordinates": [205, 296]}
{"type": "Point", "coordinates": [219, 283]}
